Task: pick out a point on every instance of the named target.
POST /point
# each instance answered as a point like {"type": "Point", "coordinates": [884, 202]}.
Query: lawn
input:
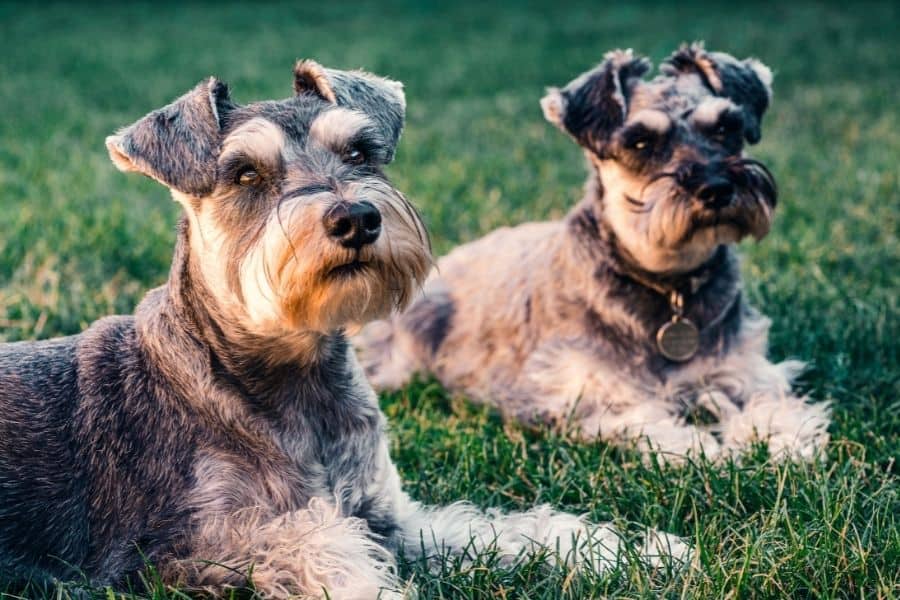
{"type": "Point", "coordinates": [79, 240]}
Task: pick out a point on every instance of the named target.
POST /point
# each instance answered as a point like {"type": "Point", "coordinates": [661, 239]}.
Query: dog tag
{"type": "Point", "coordinates": [678, 339]}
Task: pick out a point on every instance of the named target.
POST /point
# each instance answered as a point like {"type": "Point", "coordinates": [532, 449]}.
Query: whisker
{"type": "Point", "coordinates": [755, 175]}
{"type": "Point", "coordinates": [267, 273]}
{"type": "Point", "coordinates": [653, 179]}
{"type": "Point", "coordinates": [284, 230]}
{"type": "Point", "coordinates": [661, 175]}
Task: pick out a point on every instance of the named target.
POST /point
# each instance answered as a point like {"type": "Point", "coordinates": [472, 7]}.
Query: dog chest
{"type": "Point", "coordinates": [318, 448]}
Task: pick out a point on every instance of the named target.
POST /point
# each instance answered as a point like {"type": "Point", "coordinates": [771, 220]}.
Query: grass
{"type": "Point", "coordinates": [79, 240]}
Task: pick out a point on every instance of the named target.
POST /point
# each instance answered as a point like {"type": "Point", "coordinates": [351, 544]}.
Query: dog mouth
{"type": "Point", "coordinates": [739, 220]}
{"type": "Point", "coordinates": [349, 269]}
{"type": "Point", "coordinates": [716, 218]}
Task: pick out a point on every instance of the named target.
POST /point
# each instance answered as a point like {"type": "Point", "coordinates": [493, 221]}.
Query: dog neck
{"type": "Point", "coordinates": [611, 252]}
{"type": "Point", "coordinates": [627, 305]}
{"type": "Point", "coordinates": [191, 337]}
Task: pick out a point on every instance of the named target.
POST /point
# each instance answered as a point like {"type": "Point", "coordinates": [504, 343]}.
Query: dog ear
{"type": "Point", "coordinates": [747, 83]}
{"type": "Point", "coordinates": [381, 99]}
{"type": "Point", "coordinates": [595, 104]}
{"type": "Point", "coordinates": [310, 78]}
{"type": "Point", "coordinates": [178, 144]}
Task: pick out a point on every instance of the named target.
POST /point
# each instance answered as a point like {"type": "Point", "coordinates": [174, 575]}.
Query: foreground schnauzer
{"type": "Point", "coordinates": [226, 426]}
{"type": "Point", "coordinates": [627, 316]}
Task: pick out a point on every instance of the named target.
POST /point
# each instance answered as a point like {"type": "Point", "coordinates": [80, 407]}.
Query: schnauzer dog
{"type": "Point", "coordinates": [226, 429]}
{"type": "Point", "coordinates": [626, 318]}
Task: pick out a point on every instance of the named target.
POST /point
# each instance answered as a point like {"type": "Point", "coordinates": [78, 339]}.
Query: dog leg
{"type": "Point", "coordinates": [651, 428]}
{"type": "Point", "coordinates": [305, 553]}
{"type": "Point", "coordinates": [791, 425]}
{"type": "Point", "coordinates": [752, 400]}
{"type": "Point", "coordinates": [463, 529]}
{"type": "Point", "coordinates": [572, 387]}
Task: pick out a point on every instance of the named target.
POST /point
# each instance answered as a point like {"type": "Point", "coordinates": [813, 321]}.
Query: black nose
{"type": "Point", "coordinates": [716, 192]}
{"type": "Point", "coordinates": [709, 183]}
{"type": "Point", "coordinates": [353, 225]}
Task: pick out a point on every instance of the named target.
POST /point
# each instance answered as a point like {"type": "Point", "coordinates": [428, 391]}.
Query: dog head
{"type": "Point", "coordinates": [669, 152]}
{"type": "Point", "coordinates": [293, 225]}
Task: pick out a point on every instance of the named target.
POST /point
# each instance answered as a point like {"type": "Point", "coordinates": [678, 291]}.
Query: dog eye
{"type": "Point", "coordinates": [641, 143]}
{"type": "Point", "coordinates": [639, 139]}
{"type": "Point", "coordinates": [723, 130]}
{"type": "Point", "coordinates": [727, 126]}
{"type": "Point", "coordinates": [247, 176]}
{"type": "Point", "coordinates": [354, 156]}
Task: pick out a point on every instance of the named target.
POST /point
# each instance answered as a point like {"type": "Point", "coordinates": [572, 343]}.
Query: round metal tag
{"type": "Point", "coordinates": [678, 340]}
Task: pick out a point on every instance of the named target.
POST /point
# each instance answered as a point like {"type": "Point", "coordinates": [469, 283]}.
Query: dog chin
{"type": "Point", "coordinates": [345, 296]}
{"type": "Point", "coordinates": [711, 236]}
{"type": "Point", "coordinates": [681, 251]}
{"type": "Point", "coordinates": [697, 246]}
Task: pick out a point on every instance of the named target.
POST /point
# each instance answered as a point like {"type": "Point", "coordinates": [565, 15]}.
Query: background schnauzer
{"type": "Point", "coordinates": [626, 316]}
{"type": "Point", "coordinates": [228, 420]}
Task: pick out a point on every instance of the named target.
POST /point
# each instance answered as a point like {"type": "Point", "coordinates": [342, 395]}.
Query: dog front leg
{"type": "Point", "coordinates": [462, 529]}
{"type": "Point", "coordinates": [314, 552]}
{"type": "Point", "coordinates": [570, 386]}
{"type": "Point", "coordinates": [791, 425]}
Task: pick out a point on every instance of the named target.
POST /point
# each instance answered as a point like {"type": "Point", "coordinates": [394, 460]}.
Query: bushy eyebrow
{"type": "Point", "coordinates": [653, 121]}
{"type": "Point", "coordinates": [231, 163]}
{"type": "Point", "coordinates": [339, 128]}
{"type": "Point", "coordinates": [711, 111]}
{"type": "Point", "coordinates": [258, 139]}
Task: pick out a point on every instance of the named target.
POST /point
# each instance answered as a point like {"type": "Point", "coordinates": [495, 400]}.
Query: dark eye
{"type": "Point", "coordinates": [354, 156]}
{"type": "Point", "coordinates": [641, 140]}
{"type": "Point", "coordinates": [723, 132]}
{"type": "Point", "coordinates": [727, 126]}
{"type": "Point", "coordinates": [247, 176]}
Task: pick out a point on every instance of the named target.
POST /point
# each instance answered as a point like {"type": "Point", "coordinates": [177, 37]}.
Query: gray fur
{"type": "Point", "coordinates": [101, 432]}
{"type": "Point", "coordinates": [747, 81]}
{"type": "Point", "coordinates": [558, 321]}
{"type": "Point", "coordinates": [176, 145]}
{"type": "Point", "coordinates": [226, 427]}
{"type": "Point", "coordinates": [378, 97]}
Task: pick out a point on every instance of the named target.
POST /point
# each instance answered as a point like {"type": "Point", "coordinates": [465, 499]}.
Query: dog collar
{"type": "Point", "coordinates": [679, 338]}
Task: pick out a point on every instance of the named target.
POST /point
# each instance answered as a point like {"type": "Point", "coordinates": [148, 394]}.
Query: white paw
{"type": "Point", "coordinates": [792, 427]}
{"type": "Point", "coordinates": [661, 549]}
{"type": "Point", "coordinates": [674, 442]}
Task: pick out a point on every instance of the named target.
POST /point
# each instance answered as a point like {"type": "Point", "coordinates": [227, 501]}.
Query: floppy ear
{"type": "Point", "coordinates": [177, 145]}
{"type": "Point", "coordinates": [381, 99]}
{"type": "Point", "coordinates": [747, 83]}
{"type": "Point", "coordinates": [595, 104]}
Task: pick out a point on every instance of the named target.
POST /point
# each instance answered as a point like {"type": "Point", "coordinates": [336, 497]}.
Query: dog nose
{"type": "Point", "coordinates": [716, 193]}
{"type": "Point", "coordinates": [709, 183]}
{"type": "Point", "coordinates": [353, 225]}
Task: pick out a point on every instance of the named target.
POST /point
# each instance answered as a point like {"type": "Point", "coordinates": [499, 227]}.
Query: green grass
{"type": "Point", "coordinates": [79, 240]}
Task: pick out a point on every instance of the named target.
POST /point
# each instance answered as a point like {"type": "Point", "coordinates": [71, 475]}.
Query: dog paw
{"type": "Point", "coordinates": [675, 443]}
{"type": "Point", "coordinates": [791, 426]}
{"type": "Point", "coordinates": [661, 549]}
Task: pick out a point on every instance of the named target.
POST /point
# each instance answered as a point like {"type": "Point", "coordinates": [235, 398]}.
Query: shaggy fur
{"type": "Point", "coordinates": [557, 322]}
{"type": "Point", "coordinates": [225, 431]}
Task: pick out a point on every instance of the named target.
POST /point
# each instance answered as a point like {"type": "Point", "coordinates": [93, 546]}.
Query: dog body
{"type": "Point", "coordinates": [574, 319]}
{"type": "Point", "coordinates": [114, 450]}
{"type": "Point", "coordinates": [226, 432]}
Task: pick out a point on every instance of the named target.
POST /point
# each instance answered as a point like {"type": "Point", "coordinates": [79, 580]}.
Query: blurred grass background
{"type": "Point", "coordinates": [79, 240]}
